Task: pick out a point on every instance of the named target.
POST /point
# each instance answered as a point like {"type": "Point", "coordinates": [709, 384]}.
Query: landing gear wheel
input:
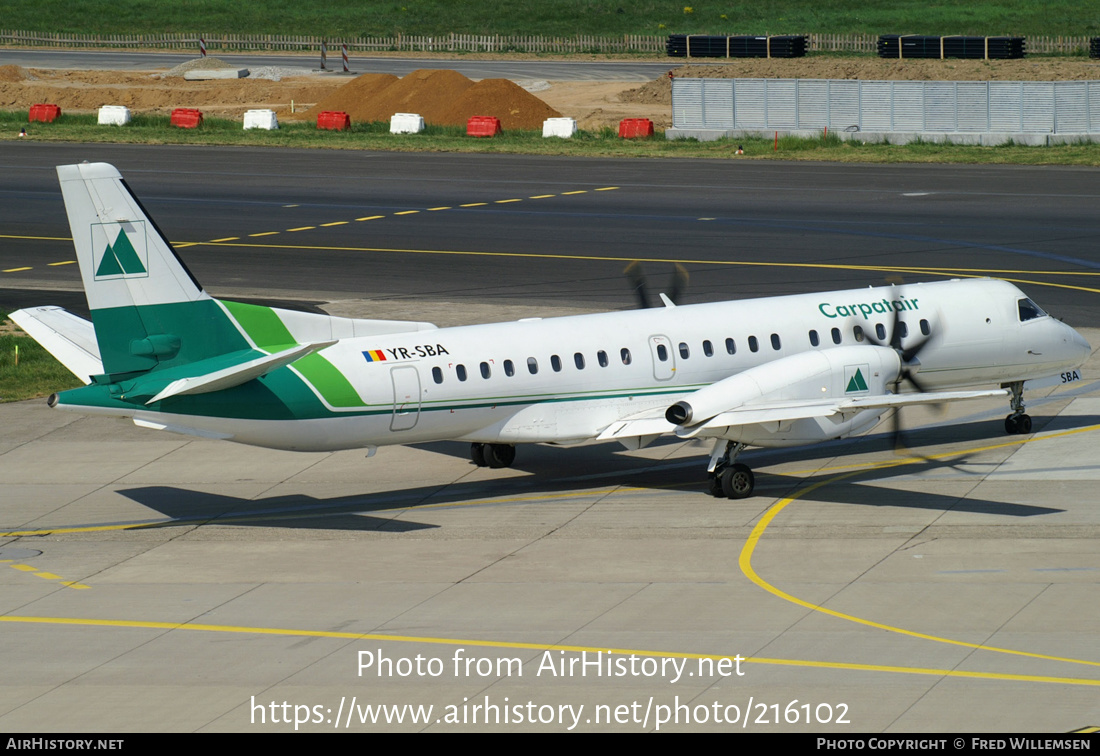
{"type": "Point", "coordinates": [737, 481]}
{"type": "Point", "coordinates": [500, 455]}
{"type": "Point", "coordinates": [477, 455]}
{"type": "Point", "coordinates": [1018, 424]}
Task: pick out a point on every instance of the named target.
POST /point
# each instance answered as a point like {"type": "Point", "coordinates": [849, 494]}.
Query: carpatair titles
{"type": "Point", "coordinates": [866, 309]}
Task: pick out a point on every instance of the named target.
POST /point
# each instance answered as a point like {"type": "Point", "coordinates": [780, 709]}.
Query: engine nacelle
{"type": "Point", "coordinates": [840, 372]}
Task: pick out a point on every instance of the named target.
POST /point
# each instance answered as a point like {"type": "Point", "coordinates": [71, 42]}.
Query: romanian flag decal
{"type": "Point", "coordinates": [375, 355]}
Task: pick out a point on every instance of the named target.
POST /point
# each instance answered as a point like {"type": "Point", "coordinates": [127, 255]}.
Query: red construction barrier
{"type": "Point", "coordinates": [635, 128]}
{"type": "Point", "coordinates": [336, 120]}
{"type": "Point", "coordinates": [43, 112]}
{"type": "Point", "coordinates": [186, 118]}
{"type": "Point", "coordinates": [483, 126]}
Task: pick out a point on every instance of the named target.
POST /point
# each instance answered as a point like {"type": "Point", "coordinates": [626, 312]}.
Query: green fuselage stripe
{"type": "Point", "coordinates": [262, 325]}
{"type": "Point", "coordinates": [267, 331]}
{"type": "Point", "coordinates": [329, 381]}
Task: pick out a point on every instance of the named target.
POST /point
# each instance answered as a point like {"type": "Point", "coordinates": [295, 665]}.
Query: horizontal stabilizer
{"type": "Point", "coordinates": [67, 337]}
{"type": "Point", "coordinates": [236, 374]}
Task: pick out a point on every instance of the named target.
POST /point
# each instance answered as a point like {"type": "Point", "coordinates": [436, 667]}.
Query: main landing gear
{"type": "Point", "coordinates": [493, 455]}
{"type": "Point", "coordinates": [1019, 422]}
{"type": "Point", "coordinates": [726, 478]}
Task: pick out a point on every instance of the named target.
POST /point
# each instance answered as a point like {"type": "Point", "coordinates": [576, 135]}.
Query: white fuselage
{"type": "Point", "coordinates": [564, 380]}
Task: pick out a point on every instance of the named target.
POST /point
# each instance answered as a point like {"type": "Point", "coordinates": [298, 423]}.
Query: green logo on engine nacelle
{"type": "Point", "coordinates": [855, 381]}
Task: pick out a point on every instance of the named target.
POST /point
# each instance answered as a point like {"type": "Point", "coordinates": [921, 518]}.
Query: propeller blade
{"type": "Point", "coordinates": [678, 284]}
{"type": "Point", "coordinates": [636, 275]}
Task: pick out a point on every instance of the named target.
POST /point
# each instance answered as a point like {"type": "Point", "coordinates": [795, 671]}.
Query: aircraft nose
{"type": "Point", "coordinates": [1077, 345]}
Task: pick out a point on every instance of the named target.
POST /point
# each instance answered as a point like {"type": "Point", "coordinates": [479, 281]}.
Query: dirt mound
{"type": "Point", "coordinates": [441, 96]}
{"type": "Point", "coordinates": [514, 106]}
{"type": "Point", "coordinates": [427, 92]}
{"type": "Point", "coordinates": [197, 64]}
{"type": "Point", "coordinates": [658, 91]}
{"type": "Point", "coordinates": [77, 91]}
{"type": "Point", "coordinates": [355, 98]}
{"type": "Point", "coordinates": [376, 97]}
{"type": "Point", "coordinates": [10, 74]}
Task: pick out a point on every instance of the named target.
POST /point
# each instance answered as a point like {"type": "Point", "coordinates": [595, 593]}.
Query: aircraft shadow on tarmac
{"type": "Point", "coordinates": [600, 467]}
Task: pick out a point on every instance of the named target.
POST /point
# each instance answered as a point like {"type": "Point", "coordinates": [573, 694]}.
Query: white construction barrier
{"type": "Point", "coordinates": [260, 119]}
{"type": "Point", "coordinates": [406, 123]}
{"type": "Point", "coordinates": [559, 127]}
{"type": "Point", "coordinates": [114, 115]}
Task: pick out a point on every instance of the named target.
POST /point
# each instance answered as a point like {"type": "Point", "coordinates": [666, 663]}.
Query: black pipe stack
{"type": "Point", "coordinates": [918, 46]}
{"type": "Point", "coordinates": [705, 46]}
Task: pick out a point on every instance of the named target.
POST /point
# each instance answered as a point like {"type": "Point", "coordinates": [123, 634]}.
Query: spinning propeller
{"type": "Point", "coordinates": [636, 275]}
{"type": "Point", "coordinates": [910, 365]}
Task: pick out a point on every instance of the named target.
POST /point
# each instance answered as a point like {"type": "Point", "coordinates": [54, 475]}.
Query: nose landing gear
{"type": "Point", "coordinates": [1019, 422]}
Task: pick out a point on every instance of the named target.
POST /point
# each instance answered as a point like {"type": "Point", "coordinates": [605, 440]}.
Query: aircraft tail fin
{"type": "Point", "coordinates": [147, 308]}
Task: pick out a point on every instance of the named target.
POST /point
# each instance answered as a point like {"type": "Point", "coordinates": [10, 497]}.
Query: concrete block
{"type": "Point", "coordinates": [215, 73]}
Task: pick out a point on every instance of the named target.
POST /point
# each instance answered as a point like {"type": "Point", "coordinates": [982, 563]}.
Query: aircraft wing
{"type": "Point", "coordinates": [69, 338]}
{"type": "Point", "coordinates": [775, 412]}
{"type": "Point", "coordinates": [650, 423]}
{"type": "Point", "coordinates": [653, 422]}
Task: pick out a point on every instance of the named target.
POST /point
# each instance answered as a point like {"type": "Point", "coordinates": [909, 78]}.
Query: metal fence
{"type": "Point", "coordinates": [1071, 107]}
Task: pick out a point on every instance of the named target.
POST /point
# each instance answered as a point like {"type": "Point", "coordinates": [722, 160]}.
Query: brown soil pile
{"type": "Point", "coordinates": [10, 73]}
{"type": "Point", "coordinates": [354, 98]}
{"type": "Point", "coordinates": [77, 91]}
{"type": "Point", "coordinates": [441, 96]}
{"type": "Point", "coordinates": [659, 91]}
{"type": "Point", "coordinates": [428, 92]}
{"type": "Point", "coordinates": [512, 104]}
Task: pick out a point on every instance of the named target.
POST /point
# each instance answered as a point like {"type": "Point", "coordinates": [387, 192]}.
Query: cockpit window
{"type": "Point", "coordinates": [1029, 310]}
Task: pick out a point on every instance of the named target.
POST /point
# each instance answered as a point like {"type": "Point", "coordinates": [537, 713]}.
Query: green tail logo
{"type": "Point", "coordinates": [121, 258]}
{"type": "Point", "coordinates": [856, 383]}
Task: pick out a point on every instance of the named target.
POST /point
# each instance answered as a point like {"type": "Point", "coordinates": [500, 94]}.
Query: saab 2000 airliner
{"type": "Point", "coordinates": [769, 372]}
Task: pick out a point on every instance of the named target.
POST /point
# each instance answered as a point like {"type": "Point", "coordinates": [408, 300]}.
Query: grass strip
{"type": "Point", "coordinates": [26, 369]}
{"type": "Point", "coordinates": [353, 18]}
{"type": "Point", "coordinates": [154, 129]}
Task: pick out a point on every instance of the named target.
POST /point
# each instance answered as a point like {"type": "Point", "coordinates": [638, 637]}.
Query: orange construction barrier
{"type": "Point", "coordinates": [483, 126]}
{"type": "Point", "coordinates": [186, 118]}
{"type": "Point", "coordinates": [43, 112]}
{"type": "Point", "coordinates": [336, 120]}
{"type": "Point", "coordinates": [635, 128]}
